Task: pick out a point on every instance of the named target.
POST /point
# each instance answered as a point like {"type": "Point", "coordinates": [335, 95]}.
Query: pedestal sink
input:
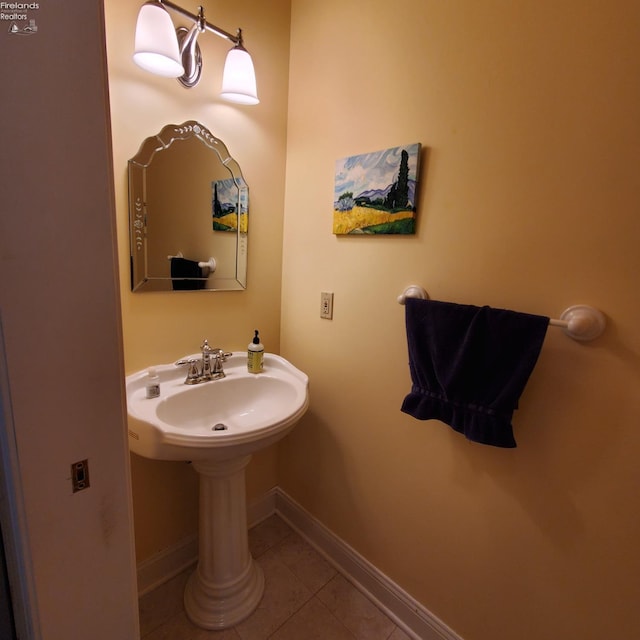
{"type": "Point", "coordinates": [217, 425]}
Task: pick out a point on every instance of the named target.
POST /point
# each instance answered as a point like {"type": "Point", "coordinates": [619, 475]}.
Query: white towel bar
{"type": "Point", "coordinates": [580, 322]}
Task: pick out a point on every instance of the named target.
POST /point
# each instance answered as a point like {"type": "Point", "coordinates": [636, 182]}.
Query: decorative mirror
{"type": "Point", "coordinates": [188, 209]}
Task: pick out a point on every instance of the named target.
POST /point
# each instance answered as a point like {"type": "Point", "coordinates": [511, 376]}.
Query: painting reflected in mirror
{"type": "Point", "coordinates": [188, 210]}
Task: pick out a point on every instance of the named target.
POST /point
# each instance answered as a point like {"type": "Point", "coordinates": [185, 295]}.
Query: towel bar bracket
{"type": "Point", "coordinates": [413, 291]}
{"type": "Point", "coordinates": [580, 322]}
{"type": "Point", "coordinates": [209, 264]}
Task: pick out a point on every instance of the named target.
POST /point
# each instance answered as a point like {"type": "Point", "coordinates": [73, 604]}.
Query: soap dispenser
{"type": "Point", "coordinates": [255, 354]}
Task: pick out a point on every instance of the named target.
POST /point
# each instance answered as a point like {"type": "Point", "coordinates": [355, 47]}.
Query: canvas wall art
{"type": "Point", "coordinates": [375, 193]}
{"type": "Point", "coordinates": [227, 196]}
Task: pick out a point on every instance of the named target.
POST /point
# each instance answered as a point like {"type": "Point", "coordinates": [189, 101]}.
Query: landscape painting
{"type": "Point", "coordinates": [375, 193]}
{"type": "Point", "coordinates": [226, 197]}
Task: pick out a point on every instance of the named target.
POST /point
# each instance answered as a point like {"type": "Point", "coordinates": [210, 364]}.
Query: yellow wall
{"type": "Point", "coordinates": [529, 201]}
{"type": "Point", "coordinates": [162, 327]}
{"type": "Point", "coordinates": [527, 113]}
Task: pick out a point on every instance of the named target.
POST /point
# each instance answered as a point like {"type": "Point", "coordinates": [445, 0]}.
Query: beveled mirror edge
{"type": "Point", "coordinates": [140, 279]}
{"type": "Point", "coordinates": [172, 132]}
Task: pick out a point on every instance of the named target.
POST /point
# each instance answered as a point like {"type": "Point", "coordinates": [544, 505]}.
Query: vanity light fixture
{"type": "Point", "coordinates": [175, 53]}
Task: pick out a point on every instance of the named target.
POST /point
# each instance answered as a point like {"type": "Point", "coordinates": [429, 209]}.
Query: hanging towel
{"type": "Point", "coordinates": [469, 365]}
{"type": "Point", "coordinates": [185, 270]}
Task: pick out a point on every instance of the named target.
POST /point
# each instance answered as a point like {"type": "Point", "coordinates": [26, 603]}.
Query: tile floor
{"type": "Point", "coordinates": [305, 599]}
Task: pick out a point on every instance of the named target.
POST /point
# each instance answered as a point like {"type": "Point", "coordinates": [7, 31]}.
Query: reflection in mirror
{"type": "Point", "coordinates": [188, 209]}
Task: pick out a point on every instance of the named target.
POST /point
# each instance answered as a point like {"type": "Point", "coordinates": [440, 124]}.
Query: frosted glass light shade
{"type": "Point", "coordinates": [239, 78]}
{"type": "Point", "coordinates": [156, 43]}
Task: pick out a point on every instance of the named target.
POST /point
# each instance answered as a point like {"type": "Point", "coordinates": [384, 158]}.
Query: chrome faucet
{"type": "Point", "coordinates": [210, 365]}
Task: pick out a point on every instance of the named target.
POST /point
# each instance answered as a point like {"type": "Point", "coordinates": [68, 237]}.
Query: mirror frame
{"type": "Point", "coordinates": [141, 280]}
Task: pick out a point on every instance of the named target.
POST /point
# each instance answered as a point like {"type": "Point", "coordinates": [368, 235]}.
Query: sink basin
{"type": "Point", "coordinates": [216, 420]}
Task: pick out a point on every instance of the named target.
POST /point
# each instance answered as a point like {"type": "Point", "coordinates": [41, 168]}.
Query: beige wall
{"type": "Point", "coordinates": [528, 113]}
{"type": "Point", "coordinates": [162, 327]}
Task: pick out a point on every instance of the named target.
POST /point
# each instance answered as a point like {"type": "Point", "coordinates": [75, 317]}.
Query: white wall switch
{"type": "Point", "coordinates": [326, 305]}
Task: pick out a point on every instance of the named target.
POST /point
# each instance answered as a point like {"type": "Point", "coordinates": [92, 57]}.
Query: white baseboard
{"type": "Point", "coordinates": [410, 615]}
{"type": "Point", "coordinates": [405, 611]}
{"type": "Point", "coordinates": [165, 565]}
{"type": "Point", "coordinates": [263, 507]}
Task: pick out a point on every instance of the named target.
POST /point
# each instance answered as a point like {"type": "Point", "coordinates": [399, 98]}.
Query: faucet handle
{"type": "Point", "coordinates": [193, 375]}
{"type": "Point", "coordinates": [217, 369]}
{"type": "Point", "coordinates": [221, 353]}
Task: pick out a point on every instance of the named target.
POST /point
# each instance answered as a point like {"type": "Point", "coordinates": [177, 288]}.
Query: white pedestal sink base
{"type": "Point", "coordinates": [211, 607]}
{"type": "Point", "coordinates": [227, 585]}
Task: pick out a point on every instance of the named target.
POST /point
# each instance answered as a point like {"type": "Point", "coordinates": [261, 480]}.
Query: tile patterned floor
{"type": "Point", "coordinates": [305, 599]}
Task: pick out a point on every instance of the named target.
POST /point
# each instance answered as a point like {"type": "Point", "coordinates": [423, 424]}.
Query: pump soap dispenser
{"type": "Point", "coordinates": [255, 354]}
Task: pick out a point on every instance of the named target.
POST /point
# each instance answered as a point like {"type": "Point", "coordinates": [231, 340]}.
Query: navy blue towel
{"type": "Point", "coordinates": [186, 275]}
{"type": "Point", "coordinates": [469, 365]}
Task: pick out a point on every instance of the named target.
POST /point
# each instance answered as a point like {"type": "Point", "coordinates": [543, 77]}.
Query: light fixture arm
{"type": "Point", "coordinates": [203, 25]}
